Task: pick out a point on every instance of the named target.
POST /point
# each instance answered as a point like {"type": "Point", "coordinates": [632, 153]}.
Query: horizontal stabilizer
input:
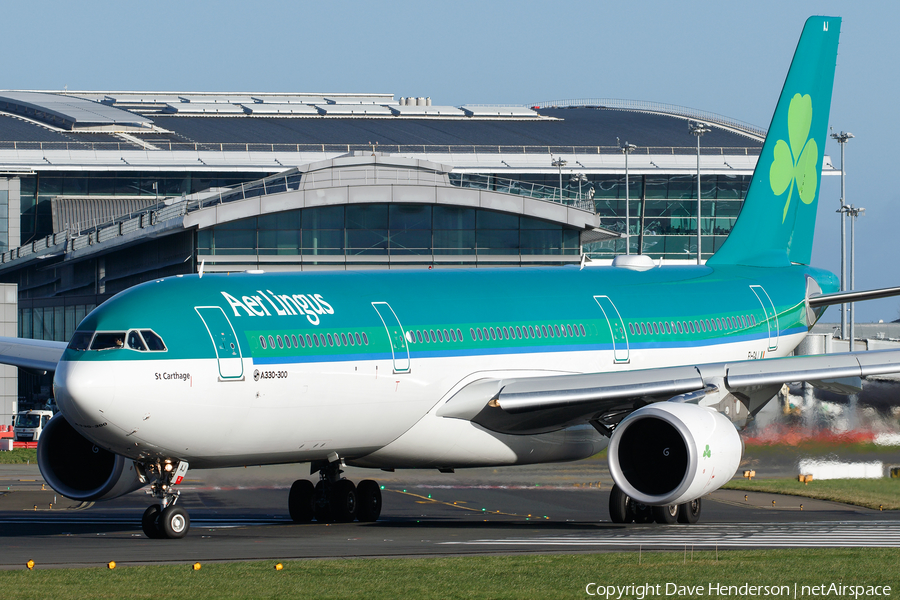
{"type": "Point", "coordinates": [844, 297]}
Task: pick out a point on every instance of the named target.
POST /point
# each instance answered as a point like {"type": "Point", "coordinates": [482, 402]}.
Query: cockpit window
{"type": "Point", "coordinates": [135, 342]}
{"type": "Point", "coordinates": [108, 340]}
{"type": "Point", "coordinates": [81, 340]}
{"type": "Point", "coordinates": [154, 342]}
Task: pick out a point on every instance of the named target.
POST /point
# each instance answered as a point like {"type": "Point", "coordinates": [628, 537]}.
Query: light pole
{"type": "Point", "coordinates": [698, 129]}
{"type": "Point", "coordinates": [560, 163]}
{"type": "Point", "coordinates": [842, 138]}
{"type": "Point", "coordinates": [627, 149]}
{"type": "Point", "coordinates": [580, 178]}
{"type": "Point", "coordinates": [853, 212]}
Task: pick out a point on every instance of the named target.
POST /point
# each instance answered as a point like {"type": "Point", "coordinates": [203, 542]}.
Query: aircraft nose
{"type": "Point", "coordinates": [84, 390]}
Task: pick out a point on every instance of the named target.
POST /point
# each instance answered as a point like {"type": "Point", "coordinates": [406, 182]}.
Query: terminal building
{"type": "Point", "coordinates": [100, 191]}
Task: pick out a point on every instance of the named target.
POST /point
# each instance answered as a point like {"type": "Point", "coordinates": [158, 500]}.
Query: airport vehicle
{"type": "Point", "coordinates": [463, 368]}
{"type": "Point", "coordinates": [30, 423]}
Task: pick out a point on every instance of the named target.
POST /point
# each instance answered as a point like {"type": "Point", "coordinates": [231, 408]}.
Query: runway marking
{"type": "Point", "coordinates": [131, 522]}
{"type": "Point", "coordinates": [458, 503]}
{"type": "Point", "coordinates": [873, 534]}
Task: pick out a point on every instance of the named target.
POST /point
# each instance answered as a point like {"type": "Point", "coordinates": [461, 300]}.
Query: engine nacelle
{"type": "Point", "coordinates": [671, 453]}
{"type": "Point", "coordinates": [76, 468]}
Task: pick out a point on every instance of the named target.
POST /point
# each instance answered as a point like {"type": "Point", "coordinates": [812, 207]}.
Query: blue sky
{"type": "Point", "coordinates": [724, 57]}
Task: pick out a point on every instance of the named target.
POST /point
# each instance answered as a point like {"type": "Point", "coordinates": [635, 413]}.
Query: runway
{"type": "Point", "coordinates": [241, 514]}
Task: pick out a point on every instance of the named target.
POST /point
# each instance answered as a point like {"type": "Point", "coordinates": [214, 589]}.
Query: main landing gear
{"type": "Point", "coordinates": [624, 509]}
{"type": "Point", "coordinates": [166, 519]}
{"type": "Point", "coordinates": [334, 499]}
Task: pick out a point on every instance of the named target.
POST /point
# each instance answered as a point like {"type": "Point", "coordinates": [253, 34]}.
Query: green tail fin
{"type": "Point", "coordinates": [778, 218]}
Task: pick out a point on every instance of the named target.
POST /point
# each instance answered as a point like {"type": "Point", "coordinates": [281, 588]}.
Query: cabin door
{"type": "Point", "coordinates": [225, 342]}
{"type": "Point", "coordinates": [616, 329]}
{"type": "Point", "coordinates": [396, 335]}
{"type": "Point", "coordinates": [771, 316]}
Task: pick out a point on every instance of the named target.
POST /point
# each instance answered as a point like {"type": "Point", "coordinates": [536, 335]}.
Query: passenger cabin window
{"type": "Point", "coordinates": [81, 341]}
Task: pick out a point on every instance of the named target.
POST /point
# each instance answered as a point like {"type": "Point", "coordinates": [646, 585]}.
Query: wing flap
{"type": "Point", "coordinates": [36, 355]}
{"type": "Point", "coordinates": [569, 390]}
{"type": "Point", "coordinates": [825, 367]}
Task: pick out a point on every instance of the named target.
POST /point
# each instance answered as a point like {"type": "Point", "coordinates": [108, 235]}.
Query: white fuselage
{"type": "Point", "coordinates": [361, 410]}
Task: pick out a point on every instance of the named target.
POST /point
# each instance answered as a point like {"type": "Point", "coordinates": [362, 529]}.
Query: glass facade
{"type": "Point", "coordinates": [4, 220]}
{"type": "Point", "coordinates": [55, 323]}
{"type": "Point", "coordinates": [389, 229]}
{"type": "Point", "coordinates": [662, 211]}
{"type": "Point", "coordinates": [37, 191]}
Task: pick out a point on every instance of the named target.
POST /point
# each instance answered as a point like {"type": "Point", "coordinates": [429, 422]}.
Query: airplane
{"type": "Point", "coordinates": [448, 369]}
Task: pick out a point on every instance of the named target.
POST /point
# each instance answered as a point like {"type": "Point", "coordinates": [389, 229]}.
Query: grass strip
{"type": "Point", "coordinates": [521, 576]}
{"type": "Point", "coordinates": [19, 456]}
{"type": "Point", "coordinates": [869, 493]}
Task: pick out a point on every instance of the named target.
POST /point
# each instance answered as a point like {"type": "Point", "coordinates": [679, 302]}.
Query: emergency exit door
{"type": "Point", "coordinates": [771, 316]}
{"type": "Point", "coordinates": [224, 340]}
{"type": "Point", "coordinates": [396, 335]}
{"type": "Point", "coordinates": [616, 328]}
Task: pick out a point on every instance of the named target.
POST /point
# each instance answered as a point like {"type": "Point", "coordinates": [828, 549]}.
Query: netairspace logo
{"type": "Point", "coordinates": [670, 590]}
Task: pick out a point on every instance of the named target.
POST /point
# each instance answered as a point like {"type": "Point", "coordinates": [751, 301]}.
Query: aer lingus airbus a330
{"type": "Point", "coordinates": [463, 368]}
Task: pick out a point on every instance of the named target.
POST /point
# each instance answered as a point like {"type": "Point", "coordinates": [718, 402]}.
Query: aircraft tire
{"type": "Point", "coordinates": [149, 522]}
{"type": "Point", "coordinates": [641, 513]}
{"type": "Point", "coordinates": [174, 522]}
{"type": "Point", "coordinates": [689, 512]}
{"type": "Point", "coordinates": [666, 515]}
{"type": "Point", "coordinates": [301, 501]}
{"type": "Point", "coordinates": [344, 501]}
{"type": "Point", "coordinates": [322, 504]}
{"type": "Point", "coordinates": [368, 493]}
{"type": "Point", "coordinates": [620, 506]}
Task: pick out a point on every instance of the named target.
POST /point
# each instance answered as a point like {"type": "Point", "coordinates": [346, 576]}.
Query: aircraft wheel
{"type": "Point", "coordinates": [174, 522]}
{"type": "Point", "coordinates": [689, 512]}
{"type": "Point", "coordinates": [343, 501]}
{"type": "Point", "coordinates": [666, 515]}
{"type": "Point", "coordinates": [149, 522]}
{"type": "Point", "coordinates": [620, 506]}
{"type": "Point", "coordinates": [368, 493]}
{"type": "Point", "coordinates": [640, 512]}
{"type": "Point", "coordinates": [300, 501]}
{"type": "Point", "coordinates": [322, 504]}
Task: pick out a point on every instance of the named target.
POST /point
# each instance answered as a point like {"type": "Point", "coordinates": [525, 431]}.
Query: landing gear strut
{"type": "Point", "coordinates": [166, 519]}
{"type": "Point", "coordinates": [334, 498]}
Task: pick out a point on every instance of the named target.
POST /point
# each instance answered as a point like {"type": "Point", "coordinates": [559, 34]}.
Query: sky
{"type": "Point", "coordinates": [725, 57]}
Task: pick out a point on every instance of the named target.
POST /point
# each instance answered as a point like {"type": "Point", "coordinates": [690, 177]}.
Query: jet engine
{"type": "Point", "coordinates": [670, 453]}
{"type": "Point", "coordinates": [76, 468]}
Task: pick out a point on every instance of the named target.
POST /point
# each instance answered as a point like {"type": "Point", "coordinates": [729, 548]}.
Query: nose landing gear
{"type": "Point", "coordinates": [334, 498]}
{"type": "Point", "coordinates": [166, 519]}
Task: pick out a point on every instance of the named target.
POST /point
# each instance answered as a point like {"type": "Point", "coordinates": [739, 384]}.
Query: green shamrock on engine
{"type": "Point", "coordinates": [797, 162]}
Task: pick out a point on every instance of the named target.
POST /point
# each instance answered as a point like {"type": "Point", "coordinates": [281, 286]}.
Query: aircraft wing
{"type": "Point", "coordinates": [539, 404]}
{"type": "Point", "coordinates": [35, 355]}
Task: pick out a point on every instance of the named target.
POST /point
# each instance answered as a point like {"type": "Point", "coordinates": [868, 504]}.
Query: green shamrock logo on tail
{"type": "Point", "coordinates": [796, 162]}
